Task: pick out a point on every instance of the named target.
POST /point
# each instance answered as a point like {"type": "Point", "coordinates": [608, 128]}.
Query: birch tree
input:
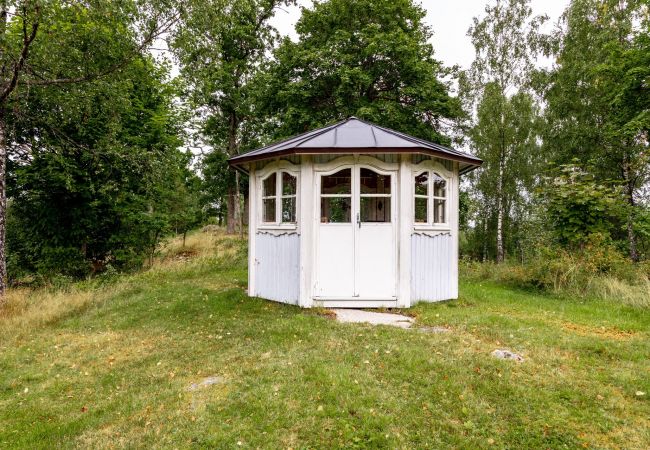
{"type": "Point", "coordinates": [506, 41]}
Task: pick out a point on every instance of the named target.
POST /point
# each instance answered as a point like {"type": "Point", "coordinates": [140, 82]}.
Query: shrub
{"type": "Point", "coordinates": [596, 270]}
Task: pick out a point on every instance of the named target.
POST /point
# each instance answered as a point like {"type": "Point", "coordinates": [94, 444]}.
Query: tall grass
{"type": "Point", "coordinates": [27, 308]}
{"type": "Point", "coordinates": [575, 275]}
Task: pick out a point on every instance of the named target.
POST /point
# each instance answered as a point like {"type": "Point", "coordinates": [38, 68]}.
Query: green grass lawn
{"type": "Point", "coordinates": [110, 367]}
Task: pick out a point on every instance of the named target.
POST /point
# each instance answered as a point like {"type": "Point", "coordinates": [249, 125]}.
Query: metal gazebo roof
{"type": "Point", "coordinates": [356, 136]}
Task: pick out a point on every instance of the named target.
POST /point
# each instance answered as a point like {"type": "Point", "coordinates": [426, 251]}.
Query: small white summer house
{"type": "Point", "coordinates": [354, 215]}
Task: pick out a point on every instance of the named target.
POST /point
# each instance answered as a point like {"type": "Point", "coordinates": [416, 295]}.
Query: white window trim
{"type": "Point", "coordinates": [277, 168]}
{"type": "Point", "coordinates": [443, 173]}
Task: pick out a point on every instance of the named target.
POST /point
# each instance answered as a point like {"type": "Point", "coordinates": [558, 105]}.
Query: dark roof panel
{"type": "Point", "coordinates": [355, 136]}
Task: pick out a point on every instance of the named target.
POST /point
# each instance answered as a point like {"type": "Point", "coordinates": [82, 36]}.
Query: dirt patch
{"type": "Point", "coordinates": [605, 332]}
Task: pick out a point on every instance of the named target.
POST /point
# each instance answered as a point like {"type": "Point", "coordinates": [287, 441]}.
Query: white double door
{"type": "Point", "coordinates": [356, 234]}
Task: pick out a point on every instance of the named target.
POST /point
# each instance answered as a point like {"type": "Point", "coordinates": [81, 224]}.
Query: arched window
{"type": "Point", "coordinates": [279, 191]}
{"type": "Point", "coordinates": [430, 199]}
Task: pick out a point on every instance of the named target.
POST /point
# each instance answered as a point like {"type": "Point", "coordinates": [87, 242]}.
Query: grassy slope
{"type": "Point", "coordinates": [110, 367]}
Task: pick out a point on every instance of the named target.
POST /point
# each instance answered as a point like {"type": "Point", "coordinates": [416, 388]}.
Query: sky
{"type": "Point", "coordinates": [449, 19]}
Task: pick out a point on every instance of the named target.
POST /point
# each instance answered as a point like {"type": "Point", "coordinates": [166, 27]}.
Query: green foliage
{"type": "Point", "coordinates": [578, 207]}
{"type": "Point", "coordinates": [221, 45]}
{"type": "Point", "coordinates": [367, 58]}
{"type": "Point", "coordinates": [98, 178]}
{"type": "Point", "coordinates": [598, 99]}
{"type": "Point", "coordinates": [504, 132]}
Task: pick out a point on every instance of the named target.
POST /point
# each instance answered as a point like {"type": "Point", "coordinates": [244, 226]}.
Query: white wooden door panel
{"type": "Point", "coordinates": [375, 278]}
{"type": "Point", "coordinates": [336, 261]}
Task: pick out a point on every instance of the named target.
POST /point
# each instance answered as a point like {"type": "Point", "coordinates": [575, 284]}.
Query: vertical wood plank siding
{"type": "Point", "coordinates": [277, 272]}
{"type": "Point", "coordinates": [433, 276]}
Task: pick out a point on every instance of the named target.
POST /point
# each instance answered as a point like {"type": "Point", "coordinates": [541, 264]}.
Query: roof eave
{"type": "Point", "coordinates": [243, 159]}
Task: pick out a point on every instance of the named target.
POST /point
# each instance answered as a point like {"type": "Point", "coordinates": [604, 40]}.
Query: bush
{"type": "Point", "coordinates": [596, 270]}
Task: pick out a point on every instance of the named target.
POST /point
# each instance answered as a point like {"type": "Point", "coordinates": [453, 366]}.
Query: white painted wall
{"type": "Point", "coordinates": [433, 276]}
{"type": "Point", "coordinates": [277, 267]}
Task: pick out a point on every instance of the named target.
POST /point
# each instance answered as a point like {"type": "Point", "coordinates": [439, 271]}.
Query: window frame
{"type": "Point", "coordinates": [321, 196]}
{"type": "Point", "coordinates": [279, 197]}
{"type": "Point", "coordinates": [431, 197]}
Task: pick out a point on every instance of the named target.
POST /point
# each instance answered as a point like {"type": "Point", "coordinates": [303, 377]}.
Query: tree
{"type": "Point", "coordinates": [506, 41]}
{"type": "Point", "coordinates": [505, 137]}
{"type": "Point", "coordinates": [220, 45]}
{"type": "Point", "coordinates": [598, 98]}
{"type": "Point", "coordinates": [56, 43]}
{"type": "Point", "coordinates": [367, 58]}
{"type": "Point", "coordinates": [96, 175]}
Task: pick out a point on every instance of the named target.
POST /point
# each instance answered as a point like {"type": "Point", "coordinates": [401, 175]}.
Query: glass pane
{"type": "Point", "coordinates": [421, 210]}
{"type": "Point", "coordinates": [338, 183]}
{"type": "Point", "coordinates": [439, 186]}
{"type": "Point", "coordinates": [421, 185]}
{"type": "Point", "coordinates": [374, 183]}
{"type": "Point", "coordinates": [269, 210]}
{"type": "Point", "coordinates": [335, 209]}
{"type": "Point", "coordinates": [375, 209]}
{"type": "Point", "coordinates": [439, 211]}
{"type": "Point", "coordinates": [288, 184]}
{"type": "Point", "coordinates": [289, 210]}
{"type": "Point", "coordinates": [269, 186]}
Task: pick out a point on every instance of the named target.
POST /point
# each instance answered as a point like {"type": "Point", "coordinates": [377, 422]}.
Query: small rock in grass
{"type": "Point", "coordinates": [507, 354]}
{"type": "Point", "coordinates": [209, 381]}
{"type": "Point", "coordinates": [640, 393]}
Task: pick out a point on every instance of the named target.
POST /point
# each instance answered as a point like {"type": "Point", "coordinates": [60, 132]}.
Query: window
{"type": "Point", "coordinates": [430, 205]}
{"type": "Point", "coordinates": [279, 191]}
{"type": "Point", "coordinates": [336, 197]}
{"type": "Point", "coordinates": [375, 196]}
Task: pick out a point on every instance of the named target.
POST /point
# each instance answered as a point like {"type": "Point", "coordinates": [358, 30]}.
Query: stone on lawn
{"type": "Point", "coordinates": [434, 330]}
{"type": "Point", "coordinates": [209, 381]}
{"type": "Point", "coordinates": [507, 354]}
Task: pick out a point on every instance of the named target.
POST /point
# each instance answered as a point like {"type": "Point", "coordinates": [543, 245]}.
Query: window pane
{"type": "Point", "coordinates": [335, 209]}
{"type": "Point", "coordinates": [374, 183]}
{"type": "Point", "coordinates": [375, 209]}
{"type": "Point", "coordinates": [269, 186]}
{"type": "Point", "coordinates": [439, 211]}
{"type": "Point", "coordinates": [439, 186]}
{"type": "Point", "coordinates": [338, 183]}
{"type": "Point", "coordinates": [421, 210]}
{"type": "Point", "coordinates": [269, 210]}
{"type": "Point", "coordinates": [421, 185]}
{"type": "Point", "coordinates": [289, 210]}
{"type": "Point", "coordinates": [288, 184]}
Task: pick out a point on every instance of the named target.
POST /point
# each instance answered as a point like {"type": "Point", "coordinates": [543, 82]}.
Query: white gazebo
{"type": "Point", "coordinates": [354, 215]}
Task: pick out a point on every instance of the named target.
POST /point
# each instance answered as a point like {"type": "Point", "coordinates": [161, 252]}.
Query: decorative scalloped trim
{"type": "Point", "coordinates": [431, 233]}
{"type": "Point", "coordinates": [278, 232]}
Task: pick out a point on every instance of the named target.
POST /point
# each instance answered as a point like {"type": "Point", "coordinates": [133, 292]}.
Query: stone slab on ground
{"type": "Point", "coordinates": [209, 381]}
{"type": "Point", "coordinates": [373, 318]}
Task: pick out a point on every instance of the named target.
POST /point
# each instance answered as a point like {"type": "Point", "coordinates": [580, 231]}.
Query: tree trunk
{"type": "Point", "coordinates": [629, 194]}
{"type": "Point", "coordinates": [3, 206]}
{"type": "Point", "coordinates": [238, 210]}
{"type": "Point", "coordinates": [230, 218]}
{"type": "Point", "coordinates": [500, 252]}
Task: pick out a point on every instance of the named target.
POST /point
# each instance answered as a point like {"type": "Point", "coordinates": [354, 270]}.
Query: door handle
{"type": "Point", "coordinates": [358, 220]}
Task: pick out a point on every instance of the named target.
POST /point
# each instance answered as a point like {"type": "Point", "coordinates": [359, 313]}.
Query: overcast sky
{"type": "Point", "coordinates": [449, 19]}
